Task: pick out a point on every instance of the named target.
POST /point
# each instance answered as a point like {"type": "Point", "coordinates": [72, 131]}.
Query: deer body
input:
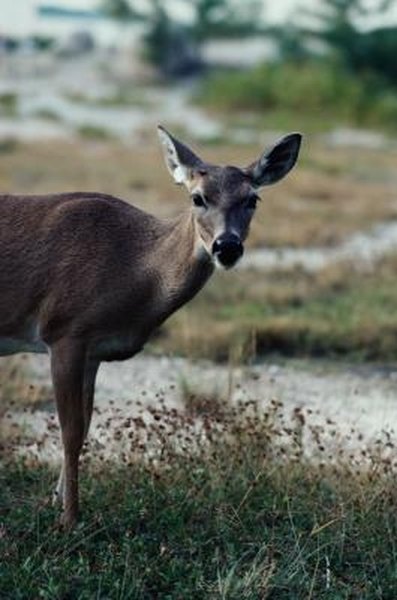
{"type": "Point", "coordinates": [87, 277]}
{"type": "Point", "coordinates": [99, 246]}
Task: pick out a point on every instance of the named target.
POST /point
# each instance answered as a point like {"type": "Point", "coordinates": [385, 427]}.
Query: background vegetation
{"type": "Point", "coordinates": [326, 66]}
{"type": "Point", "coordinates": [330, 73]}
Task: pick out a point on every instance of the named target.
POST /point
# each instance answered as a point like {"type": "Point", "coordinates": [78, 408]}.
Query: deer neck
{"type": "Point", "coordinates": [183, 264]}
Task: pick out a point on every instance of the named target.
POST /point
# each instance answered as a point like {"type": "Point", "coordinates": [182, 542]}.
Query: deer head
{"type": "Point", "coordinates": [224, 198]}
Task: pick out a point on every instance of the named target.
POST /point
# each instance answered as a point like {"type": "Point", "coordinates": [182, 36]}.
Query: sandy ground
{"type": "Point", "coordinates": [351, 407]}
{"type": "Point", "coordinates": [363, 249]}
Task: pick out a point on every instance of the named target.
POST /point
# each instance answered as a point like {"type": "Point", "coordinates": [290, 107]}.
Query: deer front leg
{"type": "Point", "coordinates": [68, 367]}
{"type": "Point", "coordinates": [90, 372]}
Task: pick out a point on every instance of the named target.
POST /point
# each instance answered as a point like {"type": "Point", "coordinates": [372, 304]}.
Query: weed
{"type": "Point", "coordinates": [47, 114]}
{"type": "Point", "coordinates": [8, 145]}
{"type": "Point", "coordinates": [8, 104]}
{"type": "Point", "coordinates": [94, 132]}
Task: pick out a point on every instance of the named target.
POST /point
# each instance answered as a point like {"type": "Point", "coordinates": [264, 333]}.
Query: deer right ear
{"type": "Point", "coordinates": [275, 164]}
{"type": "Point", "coordinates": [180, 160]}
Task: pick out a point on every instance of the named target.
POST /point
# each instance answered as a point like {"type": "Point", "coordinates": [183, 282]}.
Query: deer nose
{"type": "Point", "coordinates": [228, 249]}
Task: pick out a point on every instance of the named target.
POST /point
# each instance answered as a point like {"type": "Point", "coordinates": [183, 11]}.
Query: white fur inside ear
{"type": "Point", "coordinates": [179, 174]}
{"type": "Point", "coordinates": [260, 167]}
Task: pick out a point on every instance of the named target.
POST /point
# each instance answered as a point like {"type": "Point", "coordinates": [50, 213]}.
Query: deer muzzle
{"type": "Point", "coordinates": [227, 249]}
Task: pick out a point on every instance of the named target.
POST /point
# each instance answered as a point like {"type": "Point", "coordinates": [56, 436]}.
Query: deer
{"type": "Point", "coordinates": [87, 277]}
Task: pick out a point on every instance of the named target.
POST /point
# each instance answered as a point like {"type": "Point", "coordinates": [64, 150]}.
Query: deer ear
{"type": "Point", "coordinates": [275, 164]}
{"type": "Point", "coordinates": [180, 160]}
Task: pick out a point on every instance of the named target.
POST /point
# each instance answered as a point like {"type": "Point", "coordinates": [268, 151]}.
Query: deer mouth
{"type": "Point", "coordinates": [227, 250]}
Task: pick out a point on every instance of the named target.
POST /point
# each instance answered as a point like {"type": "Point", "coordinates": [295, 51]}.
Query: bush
{"type": "Point", "coordinates": [315, 89]}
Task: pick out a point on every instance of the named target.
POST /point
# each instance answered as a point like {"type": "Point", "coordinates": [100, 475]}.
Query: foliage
{"type": "Point", "coordinates": [8, 104]}
{"type": "Point", "coordinates": [93, 132]}
{"type": "Point", "coordinates": [172, 46]}
{"type": "Point", "coordinates": [167, 44]}
{"type": "Point", "coordinates": [361, 52]}
{"type": "Point", "coordinates": [225, 18]}
{"type": "Point", "coordinates": [315, 88]}
{"type": "Point", "coordinates": [121, 10]}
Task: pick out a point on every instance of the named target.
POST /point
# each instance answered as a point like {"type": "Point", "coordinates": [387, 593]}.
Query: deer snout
{"type": "Point", "coordinates": [227, 249]}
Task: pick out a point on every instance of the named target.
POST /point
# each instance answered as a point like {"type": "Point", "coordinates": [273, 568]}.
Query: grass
{"type": "Point", "coordinates": [8, 145]}
{"type": "Point", "coordinates": [338, 312]}
{"type": "Point", "coordinates": [93, 132]}
{"type": "Point", "coordinates": [223, 506]}
{"type": "Point", "coordinates": [124, 96]}
{"type": "Point", "coordinates": [8, 104]}
{"type": "Point", "coordinates": [47, 114]}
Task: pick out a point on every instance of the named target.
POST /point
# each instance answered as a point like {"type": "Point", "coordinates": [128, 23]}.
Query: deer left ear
{"type": "Point", "coordinates": [275, 164]}
{"type": "Point", "coordinates": [180, 160]}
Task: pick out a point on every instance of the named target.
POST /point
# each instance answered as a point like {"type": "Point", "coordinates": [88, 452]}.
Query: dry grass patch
{"type": "Point", "coordinates": [338, 311]}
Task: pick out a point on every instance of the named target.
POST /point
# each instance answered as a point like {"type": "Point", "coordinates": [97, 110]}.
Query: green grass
{"type": "Point", "coordinates": [48, 114]}
{"type": "Point", "coordinates": [123, 97]}
{"type": "Point", "coordinates": [8, 104]}
{"type": "Point", "coordinates": [93, 132]}
{"type": "Point", "coordinates": [240, 515]}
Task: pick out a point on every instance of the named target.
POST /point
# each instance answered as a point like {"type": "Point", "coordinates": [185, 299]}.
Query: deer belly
{"type": "Point", "coordinates": [116, 347]}
{"type": "Point", "coordinates": [27, 339]}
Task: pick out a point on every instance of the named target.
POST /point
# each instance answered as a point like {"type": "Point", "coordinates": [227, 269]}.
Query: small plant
{"type": "Point", "coordinates": [94, 132]}
{"type": "Point", "coordinates": [47, 114]}
{"type": "Point", "coordinates": [8, 145]}
{"type": "Point", "coordinates": [8, 104]}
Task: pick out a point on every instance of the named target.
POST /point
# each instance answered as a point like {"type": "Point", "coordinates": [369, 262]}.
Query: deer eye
{"type": "Point", "coordinates": [199, 201]}
{"type": "Point", "coordinates": [251, 202]}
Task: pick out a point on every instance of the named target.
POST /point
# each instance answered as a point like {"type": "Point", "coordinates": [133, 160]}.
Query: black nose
{"type": "Point", "coordinates": [228, 249]}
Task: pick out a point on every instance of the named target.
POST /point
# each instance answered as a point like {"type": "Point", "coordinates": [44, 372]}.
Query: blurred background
{"type": "Point", "coordinates": [83, 84]}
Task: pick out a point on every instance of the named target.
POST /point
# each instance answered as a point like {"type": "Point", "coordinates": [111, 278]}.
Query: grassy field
{"type": "Point", "coordinates": [212, 502]}
{"type": "Point", "coordinates": [338, 312]}
{"type": "Point", "coordinates": [332, 194]}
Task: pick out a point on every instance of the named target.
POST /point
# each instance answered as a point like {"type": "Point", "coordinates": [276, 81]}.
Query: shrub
{"type": "Point", "coordinates": [315, 89]}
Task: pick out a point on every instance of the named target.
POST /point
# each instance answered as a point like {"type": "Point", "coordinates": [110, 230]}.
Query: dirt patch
{"type": "Point", "coordinates": [360, 404]}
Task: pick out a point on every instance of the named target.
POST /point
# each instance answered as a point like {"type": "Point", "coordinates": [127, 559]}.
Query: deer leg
{"type": "Point", "coordinates": [68, 367]}
{"type": "Point", "coordinates": [59, 491]}
{"type": "Point", "coordinates": [90, 372]}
